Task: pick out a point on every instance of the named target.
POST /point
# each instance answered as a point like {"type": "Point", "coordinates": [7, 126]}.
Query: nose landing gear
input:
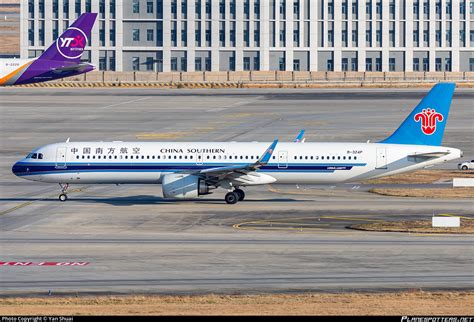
{"type": "Point", "coordinates": [63, 195]}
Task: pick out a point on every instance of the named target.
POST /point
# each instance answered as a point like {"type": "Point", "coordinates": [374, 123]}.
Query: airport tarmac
{"type": "Point", "coordinates": [281, 239]}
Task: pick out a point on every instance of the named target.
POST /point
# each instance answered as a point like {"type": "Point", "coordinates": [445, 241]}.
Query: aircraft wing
{"type": "Point", "coordinates": [300, 137]}
{"type": "Point", "coordinates": [234, 172]}
{"type": "Point", "coordinates": [70, 68]}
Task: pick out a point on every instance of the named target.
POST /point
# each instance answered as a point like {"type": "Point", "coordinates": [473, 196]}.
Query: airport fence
{"type": "Point", "coordinates": [269, 79]}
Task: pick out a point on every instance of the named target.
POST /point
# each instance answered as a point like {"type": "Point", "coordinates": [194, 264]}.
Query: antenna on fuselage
{"type": "Point", "coordinates": [67, 141]}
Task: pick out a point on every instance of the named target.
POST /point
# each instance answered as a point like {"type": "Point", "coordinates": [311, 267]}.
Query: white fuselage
{"type": "Point", "coordinates": [8, 66]}
{"type": "Point", "coordinates": [148, 162]}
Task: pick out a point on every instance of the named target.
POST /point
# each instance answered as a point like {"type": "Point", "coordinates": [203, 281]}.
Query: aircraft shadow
{"type": "Point", "coordinates": [146, 200]}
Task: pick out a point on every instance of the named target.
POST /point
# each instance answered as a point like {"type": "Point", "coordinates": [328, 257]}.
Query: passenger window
{"type": "Point", "coordinates": [88, 156]}
{"type": "Point", "coordinates": [143, 157]}
{"type": "Point", "coordinates": [306, 157]}
{"type": "Point", "coordinates": [77, 157]}
{"type": "Point", "coordinates": [115, 158]}
{"type": "Point", "coordinates": [246, 157]}
{"type": "Point", "coordinates": [349, 157]}
{"type": "Point", "coordinates": [333, 157]}
{"type": "Point", "coordinates": [355, 158]}
{"type": "Point", "coordinates": [83, 157]}
{"type": "Point", "coordinates": [339, 158]}
{"type": "Point", "coordinates": [93, 157]}
{"type": "Point", "coordinates": [190, 156]}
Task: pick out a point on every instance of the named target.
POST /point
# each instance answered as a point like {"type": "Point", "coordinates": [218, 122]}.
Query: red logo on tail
{"type": "Point", "coordinates": [428, 118]}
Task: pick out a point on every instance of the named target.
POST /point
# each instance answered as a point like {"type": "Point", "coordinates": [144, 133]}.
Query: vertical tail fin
{"type": "Point", "coordinates": [70, 45]}
{"type": "Point", "coordinates": [425, 124]}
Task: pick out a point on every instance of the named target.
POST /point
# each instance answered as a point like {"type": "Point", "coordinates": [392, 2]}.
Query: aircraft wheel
{"type": "Point", "coordinates": [231, 198]}
{"type": "Point", "coordinates": [62, 197]}
{"type": "Point", "coordinates": [464, 167]}
{"type": "Point", "coordinates": [240, 193]}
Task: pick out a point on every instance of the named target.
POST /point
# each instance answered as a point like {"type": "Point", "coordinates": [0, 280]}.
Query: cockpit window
{"type": "Point", "coordinates": [29, 155]}
{"type": "Point", "coordinates": [34, 156]}
{"type": "Point", "coordinates": [40, 156]}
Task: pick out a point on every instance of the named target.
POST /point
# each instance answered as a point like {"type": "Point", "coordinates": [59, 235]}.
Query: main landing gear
{"type": "Point", "coordinates": [63, 195]}
{"type": "Point", "coordinates": [234, 196]}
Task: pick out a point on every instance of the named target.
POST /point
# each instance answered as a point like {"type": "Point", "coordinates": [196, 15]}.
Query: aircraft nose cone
{"type": "Point", "coordinates": [15, 168]}
{"type": "Point", "coordinates": [18, 168]}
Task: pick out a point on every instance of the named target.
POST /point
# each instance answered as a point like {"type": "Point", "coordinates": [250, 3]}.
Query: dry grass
{"type": "Point", "coordinates": [403, 303]}
{"type": "Point", "coordinates": [439, 193]}
{"type": "Point", "coordinates": [423, 176]}
{"type": "Point", "coordinates": [417, 226]}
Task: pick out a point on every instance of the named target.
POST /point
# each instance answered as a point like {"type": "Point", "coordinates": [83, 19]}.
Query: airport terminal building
{"type": "Point", "coordinates": [245, 35]}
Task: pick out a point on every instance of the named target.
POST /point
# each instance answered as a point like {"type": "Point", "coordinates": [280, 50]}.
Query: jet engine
{"type": "Point", "coordinates": [184, 186]}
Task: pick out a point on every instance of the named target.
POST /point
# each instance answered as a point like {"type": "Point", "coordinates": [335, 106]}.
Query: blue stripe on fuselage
{"type": "Point", "coordinates": [36, 168]}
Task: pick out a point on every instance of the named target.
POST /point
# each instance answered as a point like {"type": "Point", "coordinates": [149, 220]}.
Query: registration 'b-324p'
{"type": "Point", "coordinates": [188, 170]}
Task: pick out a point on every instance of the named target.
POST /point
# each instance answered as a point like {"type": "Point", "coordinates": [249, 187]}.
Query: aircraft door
{"type": "Point", "coordinates": [282, 159]}
{"type": "Point", "coordinates": [61, 157]}
{"type": "Point", "coordinates": [381, 158]}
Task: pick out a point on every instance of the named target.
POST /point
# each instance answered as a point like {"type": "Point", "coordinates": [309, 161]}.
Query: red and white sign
{"type": "Point", "coordinates": [44, 263]}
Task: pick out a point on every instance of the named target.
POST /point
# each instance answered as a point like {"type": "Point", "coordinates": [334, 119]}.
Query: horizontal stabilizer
{"type": "Point", "coordinates": [421, 157]}
{"type": "Point", "coordinates": [70, 68]}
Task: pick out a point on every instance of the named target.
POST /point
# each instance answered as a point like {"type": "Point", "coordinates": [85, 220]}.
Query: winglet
{"type": "Point", "coordinates": [300, 137]}
{"type": "Point", "coordinates": [268, 153]}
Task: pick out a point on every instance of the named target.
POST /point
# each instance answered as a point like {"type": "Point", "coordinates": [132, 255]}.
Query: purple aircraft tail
{"type": "Point", "coordinates": [70, 45]}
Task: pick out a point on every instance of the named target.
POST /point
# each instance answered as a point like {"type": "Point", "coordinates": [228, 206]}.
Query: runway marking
{"type": "Point", "coordinates": [450, 215]}
{"type": "Point", "coordinates": [27, 203]}
{"type": "Point", "coordinates": [351, 218]}
{"type": "Point", "coordinates": [168, 135]}
{"type": "Point", "coordinates": [292, 225]}
{"type": "Point", "coordinates": [132, 101]}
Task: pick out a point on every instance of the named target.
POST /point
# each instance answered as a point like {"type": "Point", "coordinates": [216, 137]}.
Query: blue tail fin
{"type": "Point", "coordinates": [425, 124]}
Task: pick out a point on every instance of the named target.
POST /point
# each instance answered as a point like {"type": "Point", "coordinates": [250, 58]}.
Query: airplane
{"type": "Point", "coordinates": [188, 170]}
{"type": "Point", "coordinates": [61, 59]}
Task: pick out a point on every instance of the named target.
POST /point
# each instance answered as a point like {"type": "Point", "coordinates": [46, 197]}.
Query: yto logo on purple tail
{"type": "Point", "coordinates": [428, 118]}
{"type": "Point", "coordinates": [71, 44]}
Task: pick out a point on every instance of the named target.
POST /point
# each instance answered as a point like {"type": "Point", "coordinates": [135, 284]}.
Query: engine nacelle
{"type": "Point", "coordinates": [183, 186]}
